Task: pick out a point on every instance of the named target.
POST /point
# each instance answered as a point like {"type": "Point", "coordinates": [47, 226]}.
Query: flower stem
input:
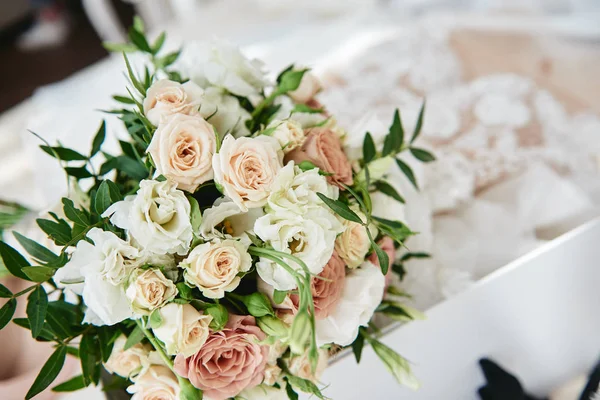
{"type": "Point", "coordinates": [152, 339]}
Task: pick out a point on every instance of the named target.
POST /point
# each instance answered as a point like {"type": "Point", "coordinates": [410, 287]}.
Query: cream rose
{"type": "Point", "coordinates": [157, 217]}
{"type": "Point", "coordinates": [214, 267]}
{"type": "Point", "coordinates": [182, 148]}
{"type": "Point", "coordinates": [183, 329]}
{"type": "Point", "coordinates": [354, 244]}
{"type": "Point", "coordinates": [308, 89]}
{"type": "Point", "coordinates": [126, 362]}
{"type": "Point", "coordinates": [300, 366]}
{"type": "Point", "coordinates": [165, 98]}
{"type": "Point", "coordinates": [156, 383]}
{"type": "Point", "coordinates": [288, 133]}
{"type": "Point", "coordinates": [148, 290]}
{"type": "Point", "coordinates": [246, 168]}
{"type": "Point", "coordinates": [226, 218]}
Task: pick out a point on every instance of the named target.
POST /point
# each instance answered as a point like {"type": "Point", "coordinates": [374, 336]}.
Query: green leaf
{"type": "Point", "coordinates": [46, 333]}
{"type": "Point", "coordinates": [408, 172]}
{"type": "Point", "coordinates": [169, 58]}
{"type": "Point", "coordinates": [155, 320]}
{"type": "Point", "coordinates": [37, 306]}
{"type": "Point", "coordinates": [220, 316]}
{"type": "Point", "coordinates": [357, 346]}
{"type": "Point", "coordinates": [290, 81]}
{"type": "Point", "coordinates": [395, 364]}
{"type": "Point", "coordinates": [58, 322]}
{"type": "Point", "coordinates": [272, 326]}
{"type": "Point", "coordinates": [87, 355]}
{"type": "Point", "coordinates": [136, 83]}
{"type": "Point", "coordinates": [35, 249]}
{"type": "Point", "coordinates": [13, 261]}
{"type": "Point", "coordinates": [39, 273]}
{"type": "Point", "coordinates": [131, 167]}
{"type": "Point", "coordinates": [158, 43]}
{"type": "Point", "coordinates": [7, 311]}
{"type": "Point", "coordinates": [419, 124]}
{"type": "Point", "coordinates": [49, 372]}
{"type": "Point", "coordinates": [395, 138]}
{"type": "Point", "coordinates": [289, 390]}
{"type": "Point", "coordinates": [138, 39]}
{"type": "Point", "coordinates": [303, 108]}
{"type": "Point", "coordinates": [187, 390]}
{"type": "Point", "coordinates": [409, 256]}
{"type": "Point", "coordinates": [74, 214]}
{"type": "Point", "coordinates": [138, 24]}
{"type": "Point", "coordinates": [422, 155]}
{"type": "Point", "coordinates": [60, 232]}
{"type": "Point", "coordinates": [340, 209]}
{"type": "Point", "coordinates": [107, 194]}
{"type": "Point", "coordinates": [185, 292]}
{"type": "Point", "coordinates": [78, 172]}
{"type": "Point", "coordinates": [279, 296]}
{"type": "Point", "coordinates": [4, 292]}
{"type": "Point", "coordinates": [106, 339]}
{"type": "Point", "coordinates": [195, 214]}
{"type": "Point", "coordinates": [98, 139]}
{"type": "Point", "coordinates": [63, 153]}
{"type": "Point", "coordinates": [304, 385]}
{"type": "Point", "coordinates": [123, 99]}
{"type": "Point", "coordinates": [134, 338]}
{"type": "Point", "coordinates": [119, 47]}
{"type": "Point", "coordinates": [382, 257]}
{"type": "Point", "coordinates": [258, 304]}
{"type": "Point", "coordinates": [369, 150]}
{"type": "Point", "coordinates": [389, 190]}
{"type": "Point", "coordinates": [72, 385]}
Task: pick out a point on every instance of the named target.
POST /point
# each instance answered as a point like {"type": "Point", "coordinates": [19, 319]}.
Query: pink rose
{"type": "Point", "coordinates": [387, 245]}
{"type": "Point", "coordinates": [326, 292]}
{"type": "Point", "coordinates": [230, 361]}
{"type": "Point", "coordinates": [324, 149]}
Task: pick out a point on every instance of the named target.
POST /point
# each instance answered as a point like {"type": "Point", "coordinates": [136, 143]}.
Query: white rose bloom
{"type": "Point", "coordinates": [309, 237]}
{"type": "Point", "coordinates": [353, 244]}
{"type": "Point", "coordinates": [127, 362]}
{"type": "Point", "coordinates": [264, 392]}
{"type": "Point", "coordinates": [221, 64]}
{"type": "Point", "coordinates": [155, 383]}
{"type": "Point", "coordinates": [363, 291]}
{"type": "Point", "coordinates": [296, 191]}
{"type": "Point", "coordinates": [226, 215]}
{"type": "Point", "coordinates": [246, 169]}
{"type": "Point", "coordinates": [148, 290]}
{"type": "Point", "coordinates": [157, 217]}
{"type": "Point", "coordinates": [182, 148]}
{"type": "Point", "coordinates": [354, 138]}
{"type": "Point", "coordinates": [310, 85]}
{"type": "Point", "coordinates": [98, 272]}
{"type": "Point", "coordinates": [165, 98]}
{"type": "Point", "coordinates": [224, 112]}
{"type": "Point", "coordinates": [214, 267]}
{"type": "Point", "coordinates": [288, 133]}
{"type": "Point", "coordinates": [184, 330]}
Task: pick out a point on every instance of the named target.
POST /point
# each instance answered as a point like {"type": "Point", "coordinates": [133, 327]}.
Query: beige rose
{"type": "Point", "coordinates": [353, 244]}
{"type": "Point", "coordinates": [214, 267]}
{"type": "Point", "coordinates": [246, 168]}
{"type": "Point", "coordinates": [148, 290]}
{"type": "Point", "coordinates": [288, 133]}
{"type": "Point", "coordinates": [126, 362]}
{"type": "Point", "coordinates": [324, 149]}
{"type": "Point", "coordinates": [182, 148]}
{"type": "Point", "coordinates": [300, 366]}
{"type": "Point", "coordinates": [156, 383]}
{"type": "Point", "coordinates": [183, 330]}
{"type": "Point", "coordinates": [165, 98]}
{"type": "Point", "coordinates": [308, 89]}
{"type": "Point", "coordinates": [272, 374]}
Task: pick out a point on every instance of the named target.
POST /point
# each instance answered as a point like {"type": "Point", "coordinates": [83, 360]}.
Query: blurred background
{"type": "Point", "coordinates": [513, 116]}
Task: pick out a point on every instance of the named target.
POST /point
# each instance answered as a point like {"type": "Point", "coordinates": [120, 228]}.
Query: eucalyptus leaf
{"type": "Point", "coordinates": [382, 257]}
{"type": "Point", "coordinates": [422, 155]}
{"type": "Point", "coordinates": [395, 138]}
{"type": "Point", "coordinates": [87, 355]}
{"type": "Point", "coordinates": [49, 372]}
{"type": "Point", "coordinates": [409, 256]}
{"type": "Point", "coordinates": [37, 307]}
{"type": "Point", "coordinates": [390, 191]}
{"type": "Point", "coordinates": [134, 80]}
{"type": "Point", "coordinates": [98, 139]}
{"type": "Point", "coordinates": [158, 43]}
{"type": "Point", "coordinates": [4, 292]}
{"type": "Point", "coordinates": [45, 334]}
{"type": "Point", "coordinates": [13, 261]}
{"type": "Point", "coordinates": [419, 124]}
{"type": "Point", "coordinates": [74, 214]}
{"type": "Point", "coordinates": [369, 150]}
{"type": "Point", "coordinates": [340, 209]}
{"type": "Point", "coordinates": [63, 153]}
{"type": "Point", "coordinates": [7, 311]}
{"type": "Point", "coordinates": [108, 193]}
{"type": "Point", "coordinates": [138, 39]}
{"type": "Point", "coordinates": [78, 172]}
{"type": "Point", "coordinates": [123, 99]}
{"type": "Point", "coordinates": [35, 249]}
{"type": "Point", "coordinates": [408, 172]}
{"type": "Point", "coordinates": [72, 385]}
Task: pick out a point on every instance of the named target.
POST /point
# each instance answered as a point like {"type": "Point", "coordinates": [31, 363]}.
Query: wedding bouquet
{"type": "Point", "coordinates": [229, 248]}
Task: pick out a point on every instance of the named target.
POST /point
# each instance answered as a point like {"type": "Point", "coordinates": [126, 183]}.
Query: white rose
{"type": "Point", "coordinates": [309, 237]}
{"type": "Point", "coordinates": [157, 217]}
{"type": "Point", "coordinates": [246, 168]}
{"type": "Point", "coordinates": [300, 366]}
{"type": "Point", "coordinates": [354, 244]}
{"type": "Point", "coordinates": [296, 191]}
{"type": "Point", "coordinates": [226, 218]}
{"type": "Point", "coordinates": [148, 290]}
{"type": "Point", "coordinates": [127, 362]}
{"type": "Point", "coordinates": [221, 64]}
{"type": "Point", "coordinates": [224, 112]}
{"type": "Point", "coordinates": [183, 330]}
{"type": "Point", "coordinates": [165, 98]}
{"type": "Point", "coordinates": [182, 148]}
{"type": "Point", "coordinates": [354, 138]}
{"type": "Point", "coordinates": [363, 291]}
{"type": "Point", "coordinates": [288, 133]}
{"type": "Point", "coordinates": [155, 383]}
{"type": "Point", "coordinates": [98, 272]}
{"type": "Point", "coordinates": [308, 89]}
{"type": "Point", "coordinates": [213, 267]}
{"type": "Point", "coordinates": [264, 392]}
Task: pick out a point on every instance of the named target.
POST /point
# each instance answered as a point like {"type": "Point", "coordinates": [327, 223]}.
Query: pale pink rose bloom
{"type": "Point", "coordinates": [230, 361]}
{"type": "Point", "coordinates": [326, 292]}
{"type": "Point", "coordinates": [387, 245]}
{"type": "Point", "coordinates": [324, 149]}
